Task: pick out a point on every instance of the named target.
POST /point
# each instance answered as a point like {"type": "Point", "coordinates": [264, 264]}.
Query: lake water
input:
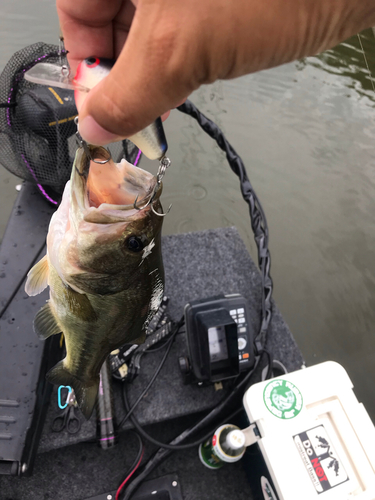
{"type": "Point", "coordinates": [306, 134]}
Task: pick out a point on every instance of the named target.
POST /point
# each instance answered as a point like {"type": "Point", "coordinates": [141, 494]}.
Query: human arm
{"type": "Point", "coordinates": [166, 49]}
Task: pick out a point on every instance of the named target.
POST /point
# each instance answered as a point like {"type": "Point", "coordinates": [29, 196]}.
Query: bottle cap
{"type": "Point", "coordinates": [232, 447]}
{"type": "Point", "coordinates": [235, 439]}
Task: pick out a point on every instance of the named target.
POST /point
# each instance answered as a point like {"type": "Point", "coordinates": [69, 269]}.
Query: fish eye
{"type": "Point", "coordinates": [134, 244]}
{"type": "Point", "coordinates": [92, 62]}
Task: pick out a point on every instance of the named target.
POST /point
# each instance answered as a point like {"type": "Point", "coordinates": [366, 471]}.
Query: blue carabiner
{"type": "Point", "coordinates": [59, 396]}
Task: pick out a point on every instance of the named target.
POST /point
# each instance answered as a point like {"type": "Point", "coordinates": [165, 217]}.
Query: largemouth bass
{"type": "Point", "coordinates": [103, 266]}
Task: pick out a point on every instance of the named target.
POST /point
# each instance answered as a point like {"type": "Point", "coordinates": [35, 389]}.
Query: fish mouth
{"type": "Point", "coordinates": [112, 186]}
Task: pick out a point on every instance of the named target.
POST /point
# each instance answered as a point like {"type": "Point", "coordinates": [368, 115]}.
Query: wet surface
{"type": "Point", "coordinates": [306, 133]}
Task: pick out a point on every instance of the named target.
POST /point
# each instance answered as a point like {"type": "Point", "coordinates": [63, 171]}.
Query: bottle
{"type": "Point", "coordinates": [227, 445]}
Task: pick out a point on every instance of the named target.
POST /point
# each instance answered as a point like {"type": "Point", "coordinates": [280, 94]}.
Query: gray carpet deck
{"type": "Point", "coordinates": [197, 265]}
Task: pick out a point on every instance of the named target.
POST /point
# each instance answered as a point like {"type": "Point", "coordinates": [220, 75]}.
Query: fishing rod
{"type": "Point", "coordinates": [366, 61]}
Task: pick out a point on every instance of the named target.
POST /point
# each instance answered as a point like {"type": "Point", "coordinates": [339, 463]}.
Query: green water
{"type": "Point", "coordinates": [306, 133]}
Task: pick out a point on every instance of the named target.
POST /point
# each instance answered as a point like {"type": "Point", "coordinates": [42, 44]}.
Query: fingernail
{"type": "Point", "coordinates": [93, 133]}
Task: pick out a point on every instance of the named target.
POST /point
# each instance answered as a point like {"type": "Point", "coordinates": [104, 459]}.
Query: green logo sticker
{"type": "Point", "coordinates": [283, 399]}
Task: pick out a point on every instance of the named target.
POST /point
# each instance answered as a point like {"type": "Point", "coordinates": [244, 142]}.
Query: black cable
{"type": "Point", "coordinates": [162, 453]}
{"type": "Point", "coordinates": [140, 442]}
{"type": "Point", "coordinates": [166, 340]}
{"type": "Point", "coordinates": [161, 364]}
{"type": "Point", "coordinates": [270, 363]}
{"type": "Point", "coordinates": [165, 445]}
{"type": "Point", "coordinates": [200, 425]}
{"type": "Point", "coordinates": [156, 349]}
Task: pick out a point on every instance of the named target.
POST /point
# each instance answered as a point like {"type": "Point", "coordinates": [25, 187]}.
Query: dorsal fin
{"type": "Point", "coordinates": [37, 278]}
{"type": "Point", "coordinates": [45, 323]}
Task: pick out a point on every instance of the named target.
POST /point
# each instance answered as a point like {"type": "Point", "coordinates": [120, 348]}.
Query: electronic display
{"type": "Point", "coordinates": [217, 343]}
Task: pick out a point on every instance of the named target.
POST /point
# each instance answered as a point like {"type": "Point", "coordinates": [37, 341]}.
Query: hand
{"type": "Point", "coordinates": [166, 49]}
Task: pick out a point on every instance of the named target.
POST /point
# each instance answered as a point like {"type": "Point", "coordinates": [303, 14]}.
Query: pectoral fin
{"type": "Point", "coordinates": [37, 278]}
{"type": "Point", "coordinates": [45, 323]}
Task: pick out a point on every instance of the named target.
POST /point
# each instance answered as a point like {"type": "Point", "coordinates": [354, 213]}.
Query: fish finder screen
{"type": "Point", "coordinates": [217, 343]}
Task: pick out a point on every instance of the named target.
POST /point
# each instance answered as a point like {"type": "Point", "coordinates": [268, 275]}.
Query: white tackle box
{"type": "Point", "coordinates": [315, 442]}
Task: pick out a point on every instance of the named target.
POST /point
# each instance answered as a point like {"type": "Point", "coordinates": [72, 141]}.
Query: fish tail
{"type": "Point", "coordinates": [85, 392]}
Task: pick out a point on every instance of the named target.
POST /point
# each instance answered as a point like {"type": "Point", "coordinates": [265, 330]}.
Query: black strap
{"type": "Point", "coordinates": [8, 104]}
{"type": "Point", "coordinates": [257, 216]}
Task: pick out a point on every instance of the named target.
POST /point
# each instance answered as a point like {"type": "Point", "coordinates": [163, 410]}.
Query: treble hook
{"type": "Point", "coordinates": [164, 164]}
{"type": "Point", "coordinates": [87, 149]}
{"type": "Point", "coordinates": [161, 215]}
{"type": "Point", "coordinates": [65, 68]}
{"type": "Point", "coordinates": [150, 202]}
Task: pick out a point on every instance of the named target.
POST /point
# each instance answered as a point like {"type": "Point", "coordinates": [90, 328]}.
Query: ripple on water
{"type": "Point", "coordinates": [187, 226]}
{"type": "Point", "coordinates": [198, 192]}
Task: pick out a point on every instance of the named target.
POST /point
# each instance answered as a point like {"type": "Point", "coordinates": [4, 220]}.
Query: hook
{"type": "Point", "coordinates": [87, 149]}
{"type": "Point", "coordinates": [157, 184]}
{"type": "Point", "coordinates": [65, 68]}
{"type": "Point", "coordinates": [161, 215]}
{"type": "Point", "coordinates": [156, 187]}
{"type": "Point", "coordinates": [164, 164]}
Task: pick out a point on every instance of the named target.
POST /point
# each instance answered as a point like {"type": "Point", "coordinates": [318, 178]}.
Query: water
{"type": "Point", "coordinates": [306, 133]}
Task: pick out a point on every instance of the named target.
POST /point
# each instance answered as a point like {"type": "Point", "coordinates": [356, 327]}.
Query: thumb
{"type": "Point", "coordinates": [146, 81]}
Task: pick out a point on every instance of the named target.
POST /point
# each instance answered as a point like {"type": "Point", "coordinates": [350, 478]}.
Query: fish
{"type": "Point", "coordinates": [151, 140]}
{"type": "Point", "coordinates": [103, 266]}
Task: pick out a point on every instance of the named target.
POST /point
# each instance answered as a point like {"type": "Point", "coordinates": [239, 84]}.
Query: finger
{"type": "Point", "coordinates": [144, 83]}
{"type": "Point", "coordinates": [121, 26]}
{"type": "Point", "coordinates": [87, 28]}
{"type": "Point", "coordinates": [164, 116]}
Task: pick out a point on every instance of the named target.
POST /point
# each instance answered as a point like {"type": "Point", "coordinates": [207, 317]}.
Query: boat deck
{"type": "Point", "coordinates": [197, 265]}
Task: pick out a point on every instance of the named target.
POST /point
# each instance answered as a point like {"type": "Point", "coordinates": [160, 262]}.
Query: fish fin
{"type": "Point", "coordinates": [85, 392]}
{"type": "Point", "coordinates": [37, 277]}
{"type": "Point", "coordinates": [79, 305]}
{"type": "Point", "coordinates": [45, 323]}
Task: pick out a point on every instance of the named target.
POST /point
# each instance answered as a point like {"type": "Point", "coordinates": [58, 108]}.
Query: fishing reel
{"type": "Point", "coordinates": [220, 338]}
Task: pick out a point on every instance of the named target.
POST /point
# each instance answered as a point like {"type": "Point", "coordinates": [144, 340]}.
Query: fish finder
{"type": "Point", "coordinates": [219, 339]}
